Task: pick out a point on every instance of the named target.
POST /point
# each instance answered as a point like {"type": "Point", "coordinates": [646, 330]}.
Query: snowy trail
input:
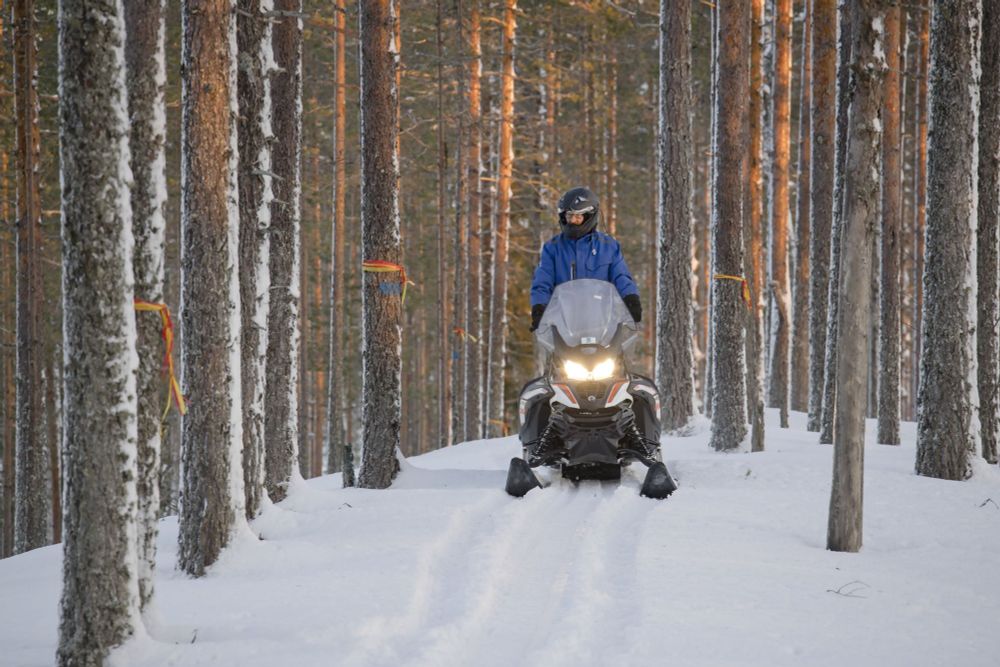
{"type": "Point", "coordinates": [444, 569]}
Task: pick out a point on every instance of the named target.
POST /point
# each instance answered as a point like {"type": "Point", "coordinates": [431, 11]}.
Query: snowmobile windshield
{"type": "Point", "coordinates": [585, 312]}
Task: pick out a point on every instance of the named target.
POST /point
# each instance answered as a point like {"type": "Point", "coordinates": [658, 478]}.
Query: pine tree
{"type": "Point", "coordinates": [823, 127]}
{"type": "Point", "coordinates": [30, 493]}
{"type": "Point", "coordinates": [988, 236]}
{"type": "Point", "coordinates": [474, 164]}
{"type": "Point", "coordinates": [861, 198]}
{"type": "Point", "coordinates": [146, 69]}
{"type": "Point", "coordinates": [780, 315]}
{"type": "Point", "coordinates": [212, 489]}
{"type": "Point", "coordinates": [253, 84]}
{"type": "Point", "coordinates": [799, 377]}
{"type": "Point", "coordinates": [497, 346]}
{"type": "Point", "coordinates": [888, 349]}
{"type": "Point", "coordinates": [674, 363]}
{"type": "Point", "coordinates": [281, 399]}
{"type": "Point", "coordinates": [732, 75]}
{"type": "Point", "coordinates": [336, 401]}
{"type": "Point", "coordinates": [381, 291]}
{"type": "Point", "coordinates": [100, 598]}
{"type": "Point", "coordinates": [947, 438]}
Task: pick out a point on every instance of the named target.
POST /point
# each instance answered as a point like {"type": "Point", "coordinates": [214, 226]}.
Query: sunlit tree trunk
{"type": "Point", "coordinates": [497, 347]}
{"type": "Point", "coordinates": [861, 199]}
{"type": "Point", "coordinates": [100, 598]}
{"type": "Point", "coordinates": [799, 382]}
{"type": "Point", "coordinates": [947, 435]}
{"type": "Point", "coordinates": [336, 401]}
{"type": "Point", "coordinates": [777, 395]}
{"type": "Point", "coordinates": [443, 315]}
{"type": "Point", "coordinates": [213, 499]}
{"type": "Point", "coordinates": [31, 486]}
{"type": "Point", "coordinates": [474, 164]}
{"type": "Point", "coordinates": [732, 75]}
{"type": "Point", "coordinates": [888, 355]}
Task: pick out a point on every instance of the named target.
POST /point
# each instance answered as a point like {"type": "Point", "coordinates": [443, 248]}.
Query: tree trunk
{"type": "Point", "coordinates": [336, 403]}
{"type": "Point", "coordinates": [30, 494]}
{"type": "Point", "coordinates": [213, 496]}
{"type": "Point", "coordinates": [823, 129]}
{"type": "Point", "coordinates": [100, 597]}
{"type": "Point", "coordinates": [498, 317]}
{"type": "Point", "coordinates": [846, 18]}
{"type": "Point", "coordinates": [732, 75]}
{"type": "Point", "coordinates": [254, 131]}
{"type": "Point", "coordinates": [474, 164]}
{"type": "Point", "coordinates": [799, 397]}
{"type": "Point", "coordinates": [947, 438]}
{"type": "Point", "coordinates": [861, 193]}
{"type": "Point", "coordinates": [281, 404]}
{"type": "Point", "coordinates": [989, 215]}
{"type": "Point", "coordinates": [444, 316]}
{"type": "Point", "coordinates": [611, 157]}
{"type": "Point", "coordinates": [888, 355]}
{"type": "Point", "coordinates": [146, 69]}
{"type": "Point", "coordinates": [777, 395]}
{"type": "Point", "coordinates": [674, 363]}
{"type": "Point", "coordinates": [381, 294]}
{"type": "Point", "coordinates": [920, 222]}
{"type": "Point", "coordinates": [753, 235]}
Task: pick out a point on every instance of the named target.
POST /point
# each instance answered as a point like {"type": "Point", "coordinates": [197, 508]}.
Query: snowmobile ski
{"type": "Point", "coordinates": [520, 478]}
{"type": "Point", "coordinates": [658, 483]}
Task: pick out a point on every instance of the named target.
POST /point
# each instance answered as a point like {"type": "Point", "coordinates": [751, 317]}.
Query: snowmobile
{"type": "Point", "coordinates": [588, 416]}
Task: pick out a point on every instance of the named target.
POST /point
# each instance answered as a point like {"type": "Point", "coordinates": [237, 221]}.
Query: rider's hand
{"type": "Point", "coordinates": [634, 307]}
{"type": "Point", "coordinates": [536, 315]}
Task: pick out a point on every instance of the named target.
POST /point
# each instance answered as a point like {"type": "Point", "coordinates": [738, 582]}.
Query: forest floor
{"type": "Point", "coordinates": [445, 569]}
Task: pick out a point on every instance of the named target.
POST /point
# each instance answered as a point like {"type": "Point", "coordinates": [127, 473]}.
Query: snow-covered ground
{"type": "Point", "coordinates": [446, 569]}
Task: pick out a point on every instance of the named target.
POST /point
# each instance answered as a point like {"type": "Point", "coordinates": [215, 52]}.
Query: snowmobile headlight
{"type": "Point", "coordinates": [577, 371]}
{"type": "Point", "coordinates": [604, 370]}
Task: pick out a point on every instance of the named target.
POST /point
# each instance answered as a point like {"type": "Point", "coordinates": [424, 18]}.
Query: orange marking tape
{"type": "Point", "coordinates": [739, 279]}
{"type": "Point", "coordinates": [381, 266]}
{"type": "Point", "coordinates": [167, 332]}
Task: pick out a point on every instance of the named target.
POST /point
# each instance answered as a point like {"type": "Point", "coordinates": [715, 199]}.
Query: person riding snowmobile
{"type": "Point", "coordinates": [580, 251]}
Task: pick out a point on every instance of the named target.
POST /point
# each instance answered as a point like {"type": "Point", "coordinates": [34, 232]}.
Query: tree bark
{"type": "Point", "coordinates": [674, 362]}
{"type": "Point", "coordinates": [799, 389]}
{"type": "Point", "coordinates": [732, 75]}
{"type": "Point", "coordinates": [281, 401]}
{"type": "Point", "coordinates": [861, 199]}
{"type": "Point", "coordinates": [847, 21]}
{"type": "Point", "coordinates": [100, 598]}
{"type": "Point", "coordinates": [30, 493]}
{"type": "Point", "coordinates": [947, 438]}
{"type": "Point", "coordinates": [497, 347]}
{"type": "Point", "coordinates": [212, 488]}
{"type": "Point", "coordinates": [777, 396]}
{"type": "Point", "coordinates": [444, 370]}
{"type": "Point", "coordinates": [474, 164]}
{"type": "Point", "coordinates": [988, 237]}
{"type": "Point", "coordinates": [753, 235]}
{"type": "Point", "coordinates": [253, 33]}
{"type": "Point", "coordinates": [823, 126]}
{"type": "Point", "coordinates": [888, 349]}
{"type": "Point", "coordinates": [336, 403]}
{"type": "Point", "coordinates": [146, 70]}
{"type": "Point", "coordinates": [381, 293]}
{"type": "Point", "coordinates": [920, 221]}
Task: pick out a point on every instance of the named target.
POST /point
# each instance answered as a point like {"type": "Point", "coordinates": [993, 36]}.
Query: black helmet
{"type": "Point", "coordinates": [579, 200]}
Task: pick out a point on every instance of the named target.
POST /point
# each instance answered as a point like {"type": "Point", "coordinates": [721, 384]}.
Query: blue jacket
{"type": "Point", "coordinates": [596, 255]}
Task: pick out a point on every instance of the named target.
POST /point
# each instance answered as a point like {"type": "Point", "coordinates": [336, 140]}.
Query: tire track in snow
{"type": "Point", "coordinates": [378, 635]}
{"type": "Point", "coordinates": [525, 560]}
{"type": "Point", "coordinates": [600, 606]}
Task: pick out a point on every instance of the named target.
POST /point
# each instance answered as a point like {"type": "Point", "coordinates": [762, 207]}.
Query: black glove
{"type": "Point", "coordinates": [634, 307]}
{"type": "Point", "coordinates": [536, 315]}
